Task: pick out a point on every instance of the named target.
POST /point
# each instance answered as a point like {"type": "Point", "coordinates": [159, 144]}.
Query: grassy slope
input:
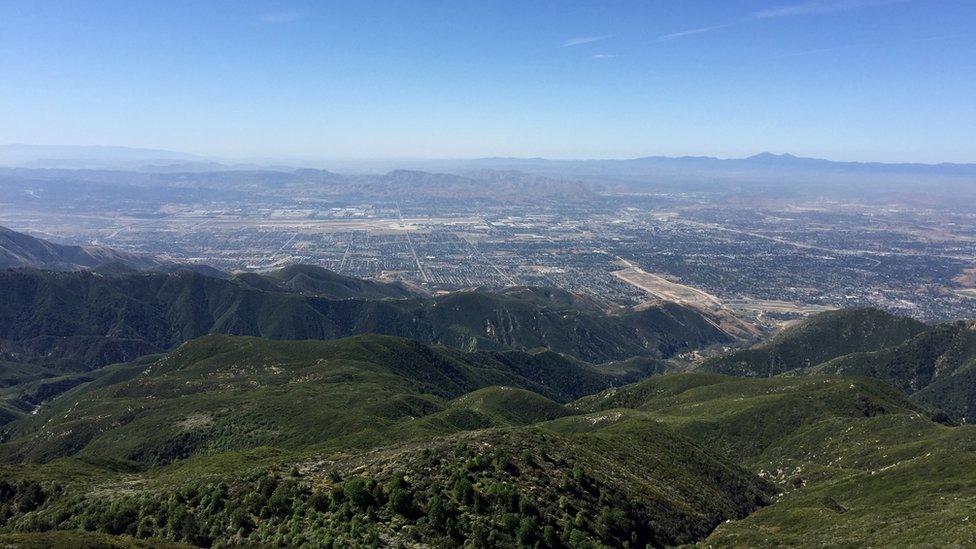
{"type": "Point", "coordinates": [817, 339]}
{"type": "Point", "coordinates": [353, 413]}
{"type": "Point", "coordinates": [223, 393]}
{"type": "Point", "coordinates": [936, 367]}
{"type": "Point", "coordinates": [857, 462]}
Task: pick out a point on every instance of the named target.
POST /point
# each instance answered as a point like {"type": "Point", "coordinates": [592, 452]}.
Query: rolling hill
{"type": "Point", "coordinates": [82, 320]}
{"type": "Point", "coordinates": [932, 364]}
{"type": "Point", "coordinates": [404, 443]}
{"type": "Point", "coordinates": [223, 393]}
{"type": "Point", "coordinates": [245, 440]}
{"type": "Point", "coordinates": [817, 339]}
{"type": "Point", "coordinates": [856, 462]}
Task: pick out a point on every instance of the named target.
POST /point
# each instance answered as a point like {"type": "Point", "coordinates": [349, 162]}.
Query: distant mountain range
{"type": "Point", "coordinates": [761, 162]}
{"type": "Point", "coordinates": [60, 186]}
{"type": "Point", "coordinates": [72, 156]}
{"type": "Point", "coordinates": [155, 160]}
{"type": "Point", "coordinates": [150, 180]}
{"type": "Point", "coordinates": [763, 176]}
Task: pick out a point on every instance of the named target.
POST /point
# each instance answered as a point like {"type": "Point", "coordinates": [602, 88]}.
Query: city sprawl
{"type": "Point", "coordinates": [778, 261]}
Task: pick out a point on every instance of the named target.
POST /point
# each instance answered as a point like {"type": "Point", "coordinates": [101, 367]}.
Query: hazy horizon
{"type": "Point", "coordinates": [313, 160]}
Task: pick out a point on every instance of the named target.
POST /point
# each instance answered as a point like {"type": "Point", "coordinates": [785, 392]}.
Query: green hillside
{"type": "Point", "coordinates": [78, 321]}
{"type": "Point", "coordinates": [935, 367]}
{"type": "Point", "coordinates": [858, 464]}
{"type": "Point", "coordinates": [245, 440]}
{"type": "Point", "coordinates": [376, 440]}
{"type": "Point", "coordinates": [932, 364]}
{"type": "Point", "coordinates": [371, 437]}
{"type": "Point", "coordinates": [499, 488]}
{"type": "Point", "coordinates": [509, 406]}
{"type": "Point", "coordinates": [817, 339]}
{"type": "Point", "coordinates": [653, 462]}
{"type": "Point", "coordinates": [224, 393]}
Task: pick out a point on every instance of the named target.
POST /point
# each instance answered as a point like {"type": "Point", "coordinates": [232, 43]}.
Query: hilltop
{"type": "Point", "coordinates": [312, 280]}
{"type": "Point", "coordinates": [932, 364]}
{"type": "Point", "coordinates": [935, 367]}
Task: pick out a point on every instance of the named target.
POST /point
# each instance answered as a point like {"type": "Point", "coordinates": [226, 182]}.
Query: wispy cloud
{"type": "Point", "coordinates": [818, 51]}
{"type": "Point", "coordinates": [689, 32]}
{"type": "Point", "coordinates": [580, 40]}
{"type": "Point", "coordinates": [286, 16]}
{"type": "Point", "coordinates": [809, 7]}
{"type": "Point", "coordinates": [814, 7]}
{"type": "Point", "coordinates": [603, 56]}
{"type": "Point", "coordinates": [861, 45]}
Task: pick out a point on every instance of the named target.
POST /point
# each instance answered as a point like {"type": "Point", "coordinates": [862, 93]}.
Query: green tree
{"type": "Point", "coordinates": [399, 496]}
{"type": "Point", "coordinates": [436, 512]}
{"type": "Point", "coordinates": [357, 492]}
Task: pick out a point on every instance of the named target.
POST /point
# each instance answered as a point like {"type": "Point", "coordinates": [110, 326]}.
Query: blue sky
{"type": "Point", "coordinates": [843, 79]}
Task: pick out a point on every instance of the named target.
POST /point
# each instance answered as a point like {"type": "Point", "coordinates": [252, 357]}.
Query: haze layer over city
{"type": "Point", "coordinates": [761, 236]}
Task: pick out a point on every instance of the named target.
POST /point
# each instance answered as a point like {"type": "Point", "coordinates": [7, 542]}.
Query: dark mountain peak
{"type": "Point", "coordinates": [767, 156]}
{"type": "Point", "coordinates": [867, 319]}
{"type": "Point", "coordinates": [321, 281]}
